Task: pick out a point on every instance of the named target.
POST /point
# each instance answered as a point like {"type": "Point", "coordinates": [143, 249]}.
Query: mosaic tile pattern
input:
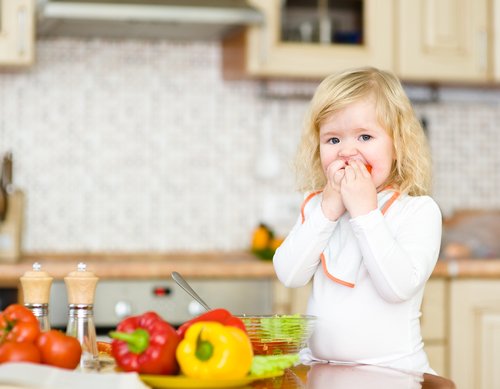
{"type": "Point", "coordinates": [465, 139]}
{"type": "Point", "coordinates": [132, 146]}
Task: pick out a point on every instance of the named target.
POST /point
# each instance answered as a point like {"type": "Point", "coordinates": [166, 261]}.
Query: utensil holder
{"type": "Point", "coordinates": [11, 228]}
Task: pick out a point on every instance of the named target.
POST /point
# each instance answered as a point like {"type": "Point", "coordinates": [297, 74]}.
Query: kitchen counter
{"type": "Point", "coordinates": [143, 265]}
{"type": "Point", "coordinates": [319, 376]}
{"type": "Point", "coordinates": [467, 268]}
{"type": "Point", "coordinates": [203, 265]}
{"type": "Point", "coordinates": [327, 376]}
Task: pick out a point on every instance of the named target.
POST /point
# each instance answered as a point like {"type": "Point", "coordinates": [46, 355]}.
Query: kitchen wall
{"type": "Point", "coordinates": [132, 146]}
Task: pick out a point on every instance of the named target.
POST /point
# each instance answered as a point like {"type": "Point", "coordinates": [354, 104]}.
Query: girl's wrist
{"type": "Point", "coordinates": [361, 212]}
{"type": "Point", "coordinates": [332, 214]}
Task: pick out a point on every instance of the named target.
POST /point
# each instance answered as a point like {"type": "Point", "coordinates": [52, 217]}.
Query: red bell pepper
{"type": "Point", "coordinates": [145, 344]}
{"type": "Point", "coordinates": [18, 324]}
{"type": "Point", "coordinates": [219, 315]}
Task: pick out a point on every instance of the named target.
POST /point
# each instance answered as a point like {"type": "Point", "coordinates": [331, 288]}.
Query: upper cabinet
{"type": "Point", "coordinates": [428, 40]}
{"type": "Point", "coordinates": [17, 32]}
{"type": "Point", "coordinates": [310, 39]}
{"type": "Point", "coordinates": [443, 40]}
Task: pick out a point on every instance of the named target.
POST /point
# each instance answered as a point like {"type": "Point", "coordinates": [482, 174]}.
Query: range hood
{"type": "Point", "coordinates": [163, 19]}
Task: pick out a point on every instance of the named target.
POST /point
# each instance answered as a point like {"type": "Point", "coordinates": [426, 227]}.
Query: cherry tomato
{"type": "Point", "coordinates": [59, 349]}
{"type": "Point", "coordinates": [19, 352]}
{"type": "Point", "coordinates": [18, 324]}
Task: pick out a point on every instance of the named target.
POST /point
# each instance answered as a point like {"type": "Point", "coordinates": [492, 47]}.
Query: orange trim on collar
{"type": "Point", "coordinates": [384, 209]}
{"type": "Point", "coordinates": [389, 202]}
{"type": "Point", "coordinates": [304, 203]}
{"type": "Point", "coordinates": [337, 280]}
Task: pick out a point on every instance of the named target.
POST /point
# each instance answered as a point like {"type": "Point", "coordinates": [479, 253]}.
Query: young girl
{"type": "Point", "coordinates": [368, 234]}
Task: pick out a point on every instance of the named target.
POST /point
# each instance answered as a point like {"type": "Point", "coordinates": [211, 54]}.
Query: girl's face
{"type": "Point", "coordinates": [354, 133]}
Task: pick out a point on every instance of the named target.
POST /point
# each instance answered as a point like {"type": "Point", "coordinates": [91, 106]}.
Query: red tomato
{"type": "Point", "coordinates": [19, 352]}
{"type": "Point", "coordinates": [59, 349]}
{"type": "Point", "coordinates": [369, 168]}
{"type": "Point", "coordinates": [17, 323]}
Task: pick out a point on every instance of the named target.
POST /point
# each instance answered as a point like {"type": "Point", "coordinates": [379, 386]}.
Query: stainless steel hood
{"type": "Point", "coordinates": [163, 19]}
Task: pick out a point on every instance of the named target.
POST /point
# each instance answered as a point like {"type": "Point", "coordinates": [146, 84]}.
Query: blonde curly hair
{"type": "Point", "coordinates": [411, 170]}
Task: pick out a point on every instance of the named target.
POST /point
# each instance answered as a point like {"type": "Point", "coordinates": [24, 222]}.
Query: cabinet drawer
{"type": "Point", "coordinates": [433, 319]}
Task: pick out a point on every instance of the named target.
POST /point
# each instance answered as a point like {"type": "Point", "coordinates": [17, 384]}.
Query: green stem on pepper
{"type": "Point", "coordinates": [204, 349]}
{"type": "Point", "coordinates": [137, 341]}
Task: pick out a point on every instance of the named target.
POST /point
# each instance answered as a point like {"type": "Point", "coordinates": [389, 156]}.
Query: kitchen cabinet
{"type": "Point", "coordinates": [475, 333]}
{"type": "Point", "coordinates": [261, 51]}
{"type": "Point", "coordinates": [17, 32]}
{"type": "Point", "coordinates": [434, 324]}
{"type": "Point", "coordinates": [290, 300]}
{"type": "Point", "coordinates": [496, 40]}
{"type": "Point", "coordinates": [443, 40]}
{"type": "Point", "coordinates": [423, 41]}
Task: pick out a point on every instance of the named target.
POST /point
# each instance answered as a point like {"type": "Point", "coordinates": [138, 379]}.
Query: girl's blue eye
{"type": "Point", "coordinates": [334, 140]}
{"type": "Point", "coordinates": [365, 137]}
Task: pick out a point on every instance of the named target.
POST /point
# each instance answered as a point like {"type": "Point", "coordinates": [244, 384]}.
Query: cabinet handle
{"type": "Point", "coordinates": [483, 50]}
{"type": "Point", "coordinates": [21, 24]}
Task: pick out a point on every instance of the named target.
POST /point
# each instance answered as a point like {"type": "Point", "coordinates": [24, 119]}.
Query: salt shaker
{"type": "Point", "coordinates": [36, 291]}
{"type": "Point", "coordinates": [80, 285]}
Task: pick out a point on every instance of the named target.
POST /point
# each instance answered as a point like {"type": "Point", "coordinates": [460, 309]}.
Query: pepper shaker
{"type": "Point", "coordinates": [80, 285]}
{"type": "Point", "coordinates": [36, 291]}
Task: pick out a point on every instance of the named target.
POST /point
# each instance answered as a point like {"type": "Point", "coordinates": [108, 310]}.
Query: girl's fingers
{"type": "Point", "coordinates": [338, 176]}
{"type": "Point", "coordinates": [349, 173]}
{"type": "Point", "coordinates": [334, 166]}
{"type": "Point", "coordinates": [359, 168]}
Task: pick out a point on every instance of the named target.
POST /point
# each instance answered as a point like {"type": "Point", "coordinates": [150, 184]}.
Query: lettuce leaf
{"type": "Point", "coordinates": [288, 328]}
{"type": "Point", "coordinates": [268, 364]}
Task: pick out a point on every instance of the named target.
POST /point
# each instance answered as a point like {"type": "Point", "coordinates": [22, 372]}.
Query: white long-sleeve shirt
{"type": "Point", "coordinates": [368, 276]}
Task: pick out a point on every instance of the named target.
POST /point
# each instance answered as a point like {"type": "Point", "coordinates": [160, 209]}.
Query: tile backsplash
{"type": "Point", "coordinates": [142, 146]}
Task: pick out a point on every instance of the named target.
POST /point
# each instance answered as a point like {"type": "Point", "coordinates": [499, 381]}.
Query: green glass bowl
{"type": "Point", "coordinates": [278, 334]}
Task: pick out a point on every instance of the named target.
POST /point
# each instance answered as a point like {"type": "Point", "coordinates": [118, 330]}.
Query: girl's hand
{"type": "Point", "coordinates": [332, 204]}
{"type": "Point", "coordinates": [358, 192]}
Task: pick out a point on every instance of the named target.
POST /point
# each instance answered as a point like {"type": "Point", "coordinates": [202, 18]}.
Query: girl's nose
{"type": "Point", "coordinates": [348, 150]}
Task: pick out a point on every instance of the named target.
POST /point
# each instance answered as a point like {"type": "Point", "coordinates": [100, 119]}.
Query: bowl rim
{"type": "Point", "coordinates": [278, 316]}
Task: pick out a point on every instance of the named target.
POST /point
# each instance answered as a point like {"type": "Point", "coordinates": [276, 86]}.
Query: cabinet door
{"type": "Point", "coordinates": [17, 31]}
{"type": "Point", "coordinates": [442, 40]}
{"type": "Point", "coordinates": [475, 333]}
{"type": "Point", "coordinates": [433, 323]}
{"type": "Point", "coordinates": [259, 51]}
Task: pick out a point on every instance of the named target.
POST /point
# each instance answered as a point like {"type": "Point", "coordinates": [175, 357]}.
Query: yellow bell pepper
{"type": "Point", "coordinates": [212, 350]}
